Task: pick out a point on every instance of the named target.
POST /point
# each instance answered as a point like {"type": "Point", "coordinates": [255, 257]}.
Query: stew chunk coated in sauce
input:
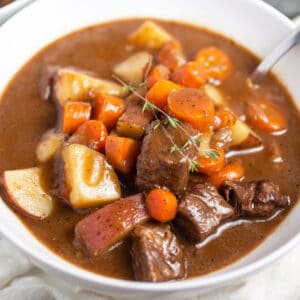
{"type": "Point", "coordinates": [124, 146]}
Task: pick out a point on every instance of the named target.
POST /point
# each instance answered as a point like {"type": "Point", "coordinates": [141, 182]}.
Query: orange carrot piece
{"type": "Point", "coordinates": [208, 165]}
{"type": "Point", "coordinates": [190, 74]}
{"type": "Point", "coordinates": [158, 73]}
{"type": "Point", "coordinates": [232, 171]}
{"type": "Point", "coordinates": [214, 62]}
{"type": "Point", "coordinates": [108, 109]}
{"type": "Point", "coordinates": [192, 106]}
{"type": "Point", "coordinates": [73, 115]}
{"type": "Point", "coordinates": [92, 133]}
{"type": "Point", "coordinates": [224, 118]}
{"type": "Point", "coordinates": [171, 55]}
{"type": "Point", "coordinates": [160, 91]}
{"type": "Point", "coordinates": [265, 115]}
{"type": "Point", "coordinates": [161, 205]}
{"type": "Point", "coordinates": [122, 153]}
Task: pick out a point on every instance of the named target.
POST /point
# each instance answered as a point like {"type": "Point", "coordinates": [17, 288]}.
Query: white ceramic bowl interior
{"type": "Point", "coordinates": [251, 23]}
{"type": "Point", "coordinates": [11, 8]}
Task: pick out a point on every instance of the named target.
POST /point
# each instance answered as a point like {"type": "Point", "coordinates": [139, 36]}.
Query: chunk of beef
{"type": "Point", "coordinates": [134, 121]}
{"type": "Point", "coordinates": [221, 139]}
{"type": "Point", "coordinates": [157, 165]}
{"type": "Point", "coordinates": [110, 224]}
{"type": "Point", "coordinates": [156, 254]}
{"type": "Point", "coordinates": [255, 198]}
{"type": "Point", "coordinates": [201, 211]}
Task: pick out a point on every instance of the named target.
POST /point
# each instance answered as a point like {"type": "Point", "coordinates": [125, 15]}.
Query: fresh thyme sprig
{"type": "Point", "coordinates": [173, 122]}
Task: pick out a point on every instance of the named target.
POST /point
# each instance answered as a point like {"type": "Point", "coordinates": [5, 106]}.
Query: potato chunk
{"type": "Point", "coordinates": [49, 144]}
{"type": "Point", "coordinates": [26, 191]}
{"type": "Point", "coordinates": [110, 224]}
{"type": "Point", "coordinates": [150, 35]}
{"type": "Point", "coordinates": [86, 179]}
{"type": "Point", "coordinates": [73, 85]}
{"type": "Point", "coordinates": [214, 94]}
{"type": "Point", "coordinates": [133, 68]}
{"type": "Point", "coordinates": [243, 137]}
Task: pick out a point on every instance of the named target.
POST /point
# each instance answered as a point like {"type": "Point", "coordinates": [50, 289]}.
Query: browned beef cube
{"type": "Point", "coordinates": [157, 165]}
{"type": "Point", "coordinates": [156, 254]}
{"type": "Point", "coordinates": [134, 121]}
{"type": "Point", "coordinates": [110, 224]}
{"type": "Point", "coordinates": [255, 198]}
{"type": "Point", "coordinates": [201, 211]}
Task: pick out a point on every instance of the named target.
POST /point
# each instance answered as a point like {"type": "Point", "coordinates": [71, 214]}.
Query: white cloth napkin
{"type": "Point", "coordinates": [21, 280]}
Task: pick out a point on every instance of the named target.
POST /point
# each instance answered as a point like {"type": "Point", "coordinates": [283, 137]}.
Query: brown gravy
{"type": "Point", "coordinates": [24, 117]}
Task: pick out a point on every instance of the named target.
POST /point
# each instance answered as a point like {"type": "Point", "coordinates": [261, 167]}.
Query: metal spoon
{"type": "Point", "coordinates": [271, 59]}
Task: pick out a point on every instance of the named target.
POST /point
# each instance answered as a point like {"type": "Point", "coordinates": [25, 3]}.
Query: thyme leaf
{"type": "Point", "coordinates": [211, 153]}
{"type": "Point", "coordinates": [193, 166]}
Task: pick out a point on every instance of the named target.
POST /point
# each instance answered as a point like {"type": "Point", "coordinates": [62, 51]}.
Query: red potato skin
{"type": "Point", "coordinates": [110, 224]}
{"type": "Point", "coordinates": [9, 200]}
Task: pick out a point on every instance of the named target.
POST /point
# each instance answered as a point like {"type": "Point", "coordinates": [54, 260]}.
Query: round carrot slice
{"type": "Point", "coordinates": [161, 205]}
{"type": "Point", "coordinates": [209, 165]}
{"type": "Point", "coordinates": [265, 115]}
{"type": "Point", "coordinates": [190, 74]}
{"type": "Point", "coordinates": [214, 62]}
{"type": "Point", "coordinates": [232, 171]}
{"type": "Point", "coordinates": [192, 106]}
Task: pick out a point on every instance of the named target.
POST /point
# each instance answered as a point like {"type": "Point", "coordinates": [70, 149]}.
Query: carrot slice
{"type": "Point", "coordinates": [161, 205]}
{"type": "Point", "coordinates": [208, 165]}
{"type": "Point", "coordinates": [214, 62]}
{"type": "Point", "coordinates": [92, 133]}
{"type": "Point", "coordinates": [73, 115]}
{"type": "Point", "coordinates": [108, 109]}
{"type": "Point", "coordinates": [171, 55]}
{"type": "Point", "coordinates": [122, 153]}
{"type": "Point", "coordinates": [193, 106]}
{"type": "Point", "coordinates": [158, 73]}
{"type": "Point", "coordinates": [224, 118]}
{"type": "Point", "coordinates": [232, 171]}
{"type": "Point", "coordinates": [160, 91]}
{"type": "Point", "coordinates": [265, 115]}
{"type": "Point", "coordinates": [190, 74]}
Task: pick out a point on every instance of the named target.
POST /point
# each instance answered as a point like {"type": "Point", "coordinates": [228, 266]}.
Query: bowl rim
{"type": "Point", "coordinates": [17, 4]}
{"type": "Point", "coordinates": [92, 279]}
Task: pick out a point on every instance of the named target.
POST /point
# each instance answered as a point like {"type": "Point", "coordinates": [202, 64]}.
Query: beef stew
{"type": "Point", "coordinates": [107, 160]}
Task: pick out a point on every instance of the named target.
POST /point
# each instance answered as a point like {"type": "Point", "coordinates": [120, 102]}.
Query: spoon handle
{"type": "Point", "coordinates": [268, 62]}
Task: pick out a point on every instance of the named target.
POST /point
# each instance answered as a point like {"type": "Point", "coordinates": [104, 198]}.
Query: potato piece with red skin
{"type": "Point", "coordinates": [110, 224]}
{"type": "Point", "coordinates": [27, 192]}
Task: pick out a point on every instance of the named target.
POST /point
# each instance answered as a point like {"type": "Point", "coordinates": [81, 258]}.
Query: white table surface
{"type": "Point", "coordinates": [19, 279]}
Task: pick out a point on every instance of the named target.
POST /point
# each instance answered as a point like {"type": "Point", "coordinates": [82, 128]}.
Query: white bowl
{"type": "Point", "coordinates": [11, 8]}
{"type": "Point", "coordinates": [251, 23]}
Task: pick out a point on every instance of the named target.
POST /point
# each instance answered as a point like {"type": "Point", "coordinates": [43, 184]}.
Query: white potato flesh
{"type": "Point", "coordinates": [73, 85]}
{"type": "Point", "coordinates": [243, 136]}
{"type": "Point", "coordinates": [214, 94]}
{"type": "Point", "coordinates": [49, 144]}
{"type": "Point", "coordinates": [133, 68]}
{"type": "Point", "coordinates": [90, 180]}
{"type": "Point", "coordinates": [27, 192]}
{"type": "Point", "coordinates": [150, 36]}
